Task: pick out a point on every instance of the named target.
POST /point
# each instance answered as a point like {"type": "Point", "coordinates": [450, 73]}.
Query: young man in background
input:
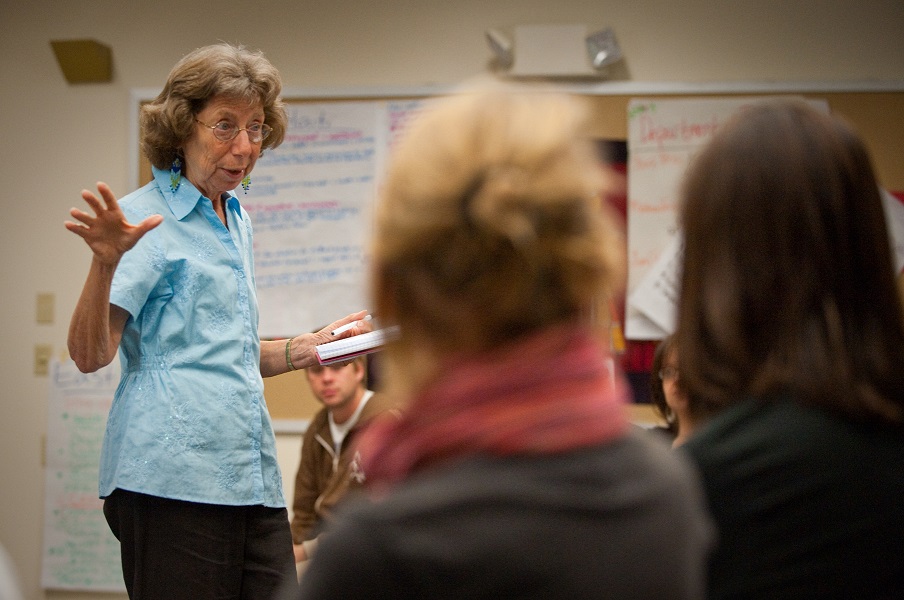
{"type": "Point", "coordinates": [330, 465]}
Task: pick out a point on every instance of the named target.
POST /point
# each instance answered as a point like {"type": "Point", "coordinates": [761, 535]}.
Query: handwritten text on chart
{"type": "Point", "coordinates": [267, 186]}
{"type": "Point", "coordinates": [663, 137]}
{"type": "Point", "coordinates": [310, 276]}
{"type": "Point", "coordinates": [657, 159]}
{"type": "Point", "coordinates": [663, 205]}
{"type": "Point", "coordinates": [321, 138]}
{"type": "Point", "coordinates": [300, 215]}
{"type": "Point", "coordinates": [308, 265]}
{"type": "Point", "coordinates": [322, 158]}
{"type": "Point", "coordinates": [311, 203]}
{"type": "Point", "coordinates": [399, 115]}
{"type": "Point", "coordinates": [79, 551]}
{"type": "Point", "coordinates": [683, 132]}
{"type": "Point", "coordinates": [307, 256]}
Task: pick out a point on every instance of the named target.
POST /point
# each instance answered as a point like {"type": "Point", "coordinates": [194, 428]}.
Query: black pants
{"type": "Point", "coordinates": [173, 550]}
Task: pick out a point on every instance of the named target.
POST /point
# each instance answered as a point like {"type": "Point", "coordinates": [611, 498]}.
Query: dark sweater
{"type": "Point", "coordinates": [622, 520]}
{"type": "Point", "coordinates": [808, 504]}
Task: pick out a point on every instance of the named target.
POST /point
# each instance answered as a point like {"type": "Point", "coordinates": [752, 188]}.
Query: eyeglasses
{"type": "Point", "coordinates": [226, 131]}
{"type": "Point", "coordinates": [668, 373]}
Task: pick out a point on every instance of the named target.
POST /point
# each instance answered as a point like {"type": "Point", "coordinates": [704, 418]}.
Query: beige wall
{"type": "Point", "coordinates": [60, 138]}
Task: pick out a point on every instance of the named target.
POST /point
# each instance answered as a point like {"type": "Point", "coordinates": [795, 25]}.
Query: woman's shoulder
{"type": "Point", "coordinates": [635, 465]}
{"type": "Point", "coordinates": [659, 433]}
{"type": "Point", "coordinates": [786, 430]}
{"type": "Point", "coordinates": [146, 200]}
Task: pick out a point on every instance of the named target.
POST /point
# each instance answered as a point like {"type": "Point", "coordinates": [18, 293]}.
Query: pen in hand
{"type": "Point", "coordinates": [348, 326]}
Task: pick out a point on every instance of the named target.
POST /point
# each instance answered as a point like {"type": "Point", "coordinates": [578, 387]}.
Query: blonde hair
{"type": "Point", "coordinates": [491, 224]}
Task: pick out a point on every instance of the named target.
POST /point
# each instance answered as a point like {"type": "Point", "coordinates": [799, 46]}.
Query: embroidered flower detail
{"type": "Point", "coordinates": [276, 482]}
{"type": "Point", "coordinates": [138, 212]}
{"type": "Point", "coordinates": [227, 477]}
{"type": "Point", "coordinates": [219, 319]}
{"type": "Point", "coordinates": [156, 258]}
{"type": "Point", "coordinates": [228, 396]}
{"type": "Point", "coordinates": [184, 432]}
{"type": "Point", "coordinates": [187, 285]}
{"type": "Point", "coordinates": [143, 393]}
{"type": "Point", "coordinates": [203, 247]}
{"type": "Point", "coordinates": [137, 469]}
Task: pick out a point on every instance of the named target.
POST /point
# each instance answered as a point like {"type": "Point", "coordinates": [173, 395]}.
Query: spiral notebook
{"type": "Point", "coordinates": [350, 347]}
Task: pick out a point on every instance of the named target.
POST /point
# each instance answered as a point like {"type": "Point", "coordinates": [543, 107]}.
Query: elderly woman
{"type": "Point", "coordinates": [790, 323]}
{"type": "Point", "coordinates": [188, 469]}
{"type": "Point", "coordinates": [513, 472]}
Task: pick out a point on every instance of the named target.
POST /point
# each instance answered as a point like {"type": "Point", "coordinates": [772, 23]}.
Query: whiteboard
{"type": "Point", "coordinates": [79, 550]}
{"type": "Point", "coordinates": [311, 202]}
{"type": "Point", "coordinates": [663, 136]}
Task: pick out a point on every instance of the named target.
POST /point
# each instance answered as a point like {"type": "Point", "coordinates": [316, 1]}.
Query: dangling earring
{"type": "Point", "coordinates": [246, 183]}
{"type": "Point", "coordinates": [175, 175]}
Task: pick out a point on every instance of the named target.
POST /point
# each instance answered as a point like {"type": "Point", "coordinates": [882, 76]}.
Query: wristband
{"type": "Point", "coordinates": [288, 355]}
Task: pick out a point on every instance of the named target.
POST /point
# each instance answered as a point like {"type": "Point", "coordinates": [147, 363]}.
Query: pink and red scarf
{"type": "Point", "coordinates": [550, 393]}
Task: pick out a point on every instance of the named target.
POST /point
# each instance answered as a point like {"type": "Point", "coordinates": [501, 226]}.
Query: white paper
{"type": "Point", "coordinates": [655, 299]}
{"type": "Point", "coordinates": [894, 217]}
{"type": "Point", "coordinates": [663, 137]}
{"type": "Point", "coordinates": [356, 345]}
{"type": "Point", "coordinates": [311, 203]}
{"type": "Point", "coordinates": [79, 550]}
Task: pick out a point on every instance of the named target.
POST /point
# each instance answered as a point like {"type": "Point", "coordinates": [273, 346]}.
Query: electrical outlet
{"type": "Point", "coordinates": [43, 352]}
{"type": "Point", "coordinates": [44, 308]}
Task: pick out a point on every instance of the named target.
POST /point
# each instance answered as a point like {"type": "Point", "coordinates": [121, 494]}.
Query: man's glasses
{"type": "Point", "coordinates": [226, 131]}
{"type": "Point", "coordinates": [668, 373]}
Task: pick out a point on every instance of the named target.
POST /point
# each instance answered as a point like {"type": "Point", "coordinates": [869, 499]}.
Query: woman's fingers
{"type": "Point", "coordinates": [92, 201]}
{"type": "Point", "coordinates": [107, 194]}
{"type": "Point", "coordinates": [81, 215]}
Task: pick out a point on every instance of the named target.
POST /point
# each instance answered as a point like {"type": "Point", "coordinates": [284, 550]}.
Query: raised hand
{"type": "Point", "coordinates": [107, 233]}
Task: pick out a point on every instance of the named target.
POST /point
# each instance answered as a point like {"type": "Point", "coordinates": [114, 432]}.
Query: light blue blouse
{"type": "Point", "coordinates": [188, 419]}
